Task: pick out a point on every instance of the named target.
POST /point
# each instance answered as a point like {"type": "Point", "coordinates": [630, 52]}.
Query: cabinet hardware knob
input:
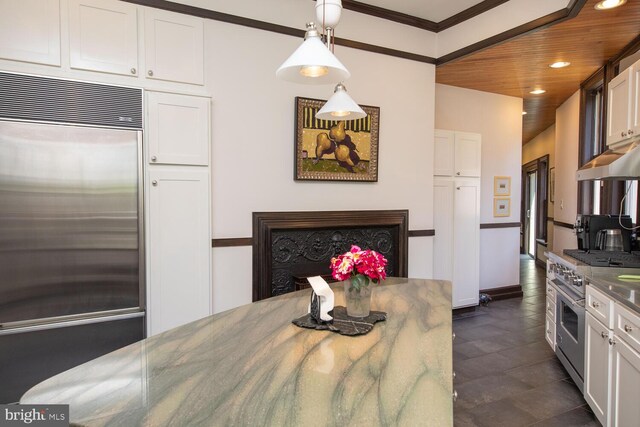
{"type": "Point", "coordinates": [150, 73]}
{"type": "Point", "coordinates": [612, 341]}
{"type": "Point", "coordinates": [457, 173]}
{"type": "Point", "coordinates": [154, 183]}
{"type": "Point", "coordinates": [603, 334]}
{"type": "Point", "coordinates": [453, 336]}
{"type": "Point", "coordinates": [133, 71]}
{"type": "Point", "coordinates": [595, 304]}
{"type": "Point", "coordinates": [628, 328]}
{"type": "Point", "coordinates": [457, 188]}
{"type": "Point", "coordinates": [453, 374]}
{"type": "Point", "coordinates": [154, 158]}
{"type": "Point", "coordinates": [455, 395]}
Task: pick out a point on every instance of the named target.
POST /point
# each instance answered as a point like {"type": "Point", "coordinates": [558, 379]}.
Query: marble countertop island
{"type": "Point", "coordinates": [251, 367]}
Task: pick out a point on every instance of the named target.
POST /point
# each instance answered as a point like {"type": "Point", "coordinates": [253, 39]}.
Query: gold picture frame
{"type": "Point", "coordinates": [502, 186]}
{"type": "Point", "coordinates": [501, 206]}
{"type": "Point", "coordinates": [327, 150]}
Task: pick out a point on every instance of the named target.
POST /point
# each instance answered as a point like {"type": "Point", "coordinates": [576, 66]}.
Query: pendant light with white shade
{"type": "Point", "coordinates": [340, 107]}
{"type": "Point", "coordinates": [314, 63]}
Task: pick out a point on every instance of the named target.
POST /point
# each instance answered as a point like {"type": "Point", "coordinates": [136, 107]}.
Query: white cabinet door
{"type": "Point", "coordinates": [179, 288]}
{"type": "Point", "coordinates": [635, 99]}
{"type": "Point", "coordinates": [467, 154]}
{"type": "Point", "coordinates": [550, 332]}
{"type": "Point", "coordinates": [466, 243]}
{"type": "Point", "coordinates": [443, 153]}
{"type": "Point", "coordinates": [103, 36]}
{"type": "Point", "coordinates": [443, 225]}
{"type": "Point", "coordinates": [174, 47]}
{"type": "Point", "coordinates": [178, 129]}
{"type": "Point", "coordinates": [619, 108]}
{"type": "Point", "coordinates": [597, 365]}
{"type": "Point", "coordinates": [626, 385]}
{"type": "Point", "coordinates": [30, 31]}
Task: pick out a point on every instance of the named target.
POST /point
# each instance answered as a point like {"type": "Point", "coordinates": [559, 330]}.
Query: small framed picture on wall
{"type": "Point", "coordinates": [501, 206]}
{"type": "Point", "coordinates": [501, 185]}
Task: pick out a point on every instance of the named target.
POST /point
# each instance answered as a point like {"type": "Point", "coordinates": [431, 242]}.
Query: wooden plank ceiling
{"type": "Point", "coordinates": [521, 65]}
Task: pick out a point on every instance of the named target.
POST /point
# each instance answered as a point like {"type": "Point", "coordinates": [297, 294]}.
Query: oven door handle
{"type": "Point", "coordinates": [567, 298]}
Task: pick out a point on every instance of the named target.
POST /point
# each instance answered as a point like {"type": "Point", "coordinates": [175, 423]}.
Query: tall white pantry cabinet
{"type": "Point", "coordinates": [456, 205]}
{"type": "Point", "coordinates": [179, 282]}
{"type": "Point", "coordinates": [123, 44]}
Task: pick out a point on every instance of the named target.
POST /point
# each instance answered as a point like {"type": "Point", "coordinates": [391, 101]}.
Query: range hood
{"type": "Point", "coordinates": [622, 162]}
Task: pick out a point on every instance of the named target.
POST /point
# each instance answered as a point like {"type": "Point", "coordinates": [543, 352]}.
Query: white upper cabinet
{"type": "Point", "coordinates": [635, 99]}
{"type": "Point", "coordinates": [443, 157]}
{"type": "Point", "coordinates": [103, 36]}
{"type": "Point", "coordinates": [457, 154]}
{"type": "Point", "coordinates": [467, 154]}
{"type": "Point", "coordinates": [30, 31]}
{"type": "Point", "coordinates": [178, 129]}
{"type": "Point", "coordinates": [174, 47]}
{"type": "Point", "coordinates": [619, 108]}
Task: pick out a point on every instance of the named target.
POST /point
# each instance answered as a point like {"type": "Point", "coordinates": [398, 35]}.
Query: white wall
{"type": "Point", "coordinates": [566, 159]}
{"type": "Point", "coordinates": [253, 145]}
{"type": "Point", "coordinates": [353, 25]}
{"type": "Point", "coordinates": [498, 119]}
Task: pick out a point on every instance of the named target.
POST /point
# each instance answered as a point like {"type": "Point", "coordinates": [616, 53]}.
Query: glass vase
{"type": "Point", "coordinates": [358, 300]}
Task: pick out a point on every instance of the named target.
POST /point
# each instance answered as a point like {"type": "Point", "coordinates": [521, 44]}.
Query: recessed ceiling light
{"type": "Point", "coordinates": [609, 4]}
{"type": "Point", "coordinates": [560, 64]}
{"type": "Point", "coordinates": [537, 91]}
{"type": "Point", "coordinates": [524, 113]}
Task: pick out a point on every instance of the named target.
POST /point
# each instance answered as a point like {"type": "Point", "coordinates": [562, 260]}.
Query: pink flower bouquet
{"type": "Point", "coordinates": [361, 266]}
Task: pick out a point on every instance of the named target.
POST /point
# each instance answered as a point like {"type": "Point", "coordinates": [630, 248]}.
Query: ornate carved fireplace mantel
{"type": "Point", "coordinates": [294, 244]}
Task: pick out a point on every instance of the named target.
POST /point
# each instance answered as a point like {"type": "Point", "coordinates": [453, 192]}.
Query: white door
{"type": "Point", "coordinates": [626, 385]}
{"type": "Point", "coordinates": [466, 243]}
{"type": "Point", "coordinates": [443, 153]}
{"type": "Point", "coordinates": [619, 108]}
{"type": "Point", "coordinates": [443, 225]}
{"type": "Point", "coordinates": [178, 129]}
{"type": "Point", "coordinates": [30, 31]}
{"type": "Point", "coordinates": [467, 154]}
{"type": "Point", "coordinates": [103, 36]}
{"type": "Point", "coordinates": [174, 47]}
{"type": "Point", "coordinates": [597, 365]}
{"type": "Point", "coordinates": [179, 286]}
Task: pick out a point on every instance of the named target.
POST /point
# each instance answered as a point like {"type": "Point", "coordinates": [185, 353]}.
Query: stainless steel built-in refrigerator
{"type": "Point", "coordinates": [71, 246]}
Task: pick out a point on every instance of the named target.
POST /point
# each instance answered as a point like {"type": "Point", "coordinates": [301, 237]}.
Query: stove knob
{"type": "Point", "coordinates": [578, 281]}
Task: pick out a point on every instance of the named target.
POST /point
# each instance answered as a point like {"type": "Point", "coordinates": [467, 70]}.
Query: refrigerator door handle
{"type": "Point", "coordinates": [20, 327]}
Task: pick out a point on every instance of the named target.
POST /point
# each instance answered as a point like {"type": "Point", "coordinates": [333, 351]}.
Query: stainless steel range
{"type": "Point", "coordinates": [568, 274]}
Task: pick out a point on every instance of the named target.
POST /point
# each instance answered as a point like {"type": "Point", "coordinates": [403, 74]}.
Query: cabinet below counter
{"type": "Point", "coordinates": [625, 292]}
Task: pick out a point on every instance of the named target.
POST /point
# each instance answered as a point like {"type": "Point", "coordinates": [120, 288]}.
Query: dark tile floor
{"type": "Point", "coordinates": [506, 373]}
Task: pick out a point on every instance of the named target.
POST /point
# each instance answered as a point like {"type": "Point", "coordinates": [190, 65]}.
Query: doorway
{"type": "Point", "coordinates": [534, 205]}
{"type": "Point", "coordinates": [530, 223]}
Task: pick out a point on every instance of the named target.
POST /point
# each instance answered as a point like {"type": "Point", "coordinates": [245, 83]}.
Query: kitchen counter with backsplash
{"type": "Point", "coordinates": [251, 366]}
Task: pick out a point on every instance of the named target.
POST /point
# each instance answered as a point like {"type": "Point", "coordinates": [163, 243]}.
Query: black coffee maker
{"type": "Point", "coordinates": [588, 226]}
